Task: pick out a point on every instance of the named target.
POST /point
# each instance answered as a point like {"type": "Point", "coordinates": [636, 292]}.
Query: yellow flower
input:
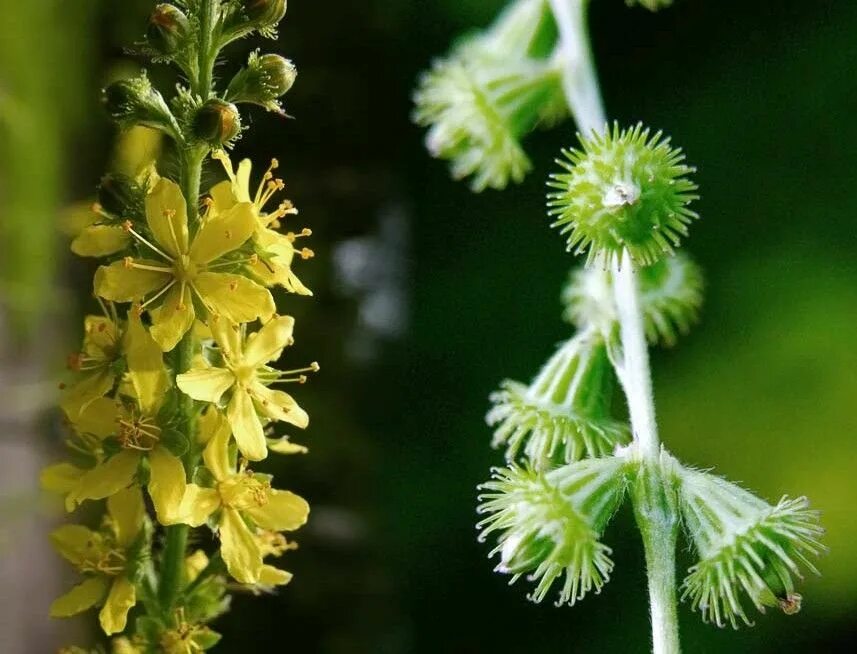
{"type": "Point", "coordinates": [136, 429]}
{"type": "Point", "coordinates": [241, 503]}
{"type": "Point", "coordinates": [186, 269]}
{"type": "Point", "coordinates": [97, 361]}
{"type": "Point", "coordinates": [104, 558]}
{"type": "Point", "coordinates": [275, 265]}
{"type": "Point", "coordinates": [248, 378]}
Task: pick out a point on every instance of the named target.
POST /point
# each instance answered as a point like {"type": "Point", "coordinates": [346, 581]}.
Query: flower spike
{"type": "Point", "coordinates": [623, 190]}
{"type": "Point", "coordinates": [745, 544]}
{"type": "Point", "coordinates": [550, 524]}
{"type": "Point", "coordinates": [563, 415]}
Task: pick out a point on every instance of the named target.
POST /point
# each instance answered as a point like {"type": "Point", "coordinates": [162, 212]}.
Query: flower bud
{"type": "Point", "coordinates": [135, 101]}
{"type": "Point", "coordinates": [564, 414]}
{"type": "Point", "coordinates": [549, 524]}
{"type": "Point", "coordinates": [217, 122]}
{"type": "Point", "coordinates": [265, 13]}
{"type": "Point", "coordinates": [266, 78]}
{"type": "Point", "coordinates": [168, 29]}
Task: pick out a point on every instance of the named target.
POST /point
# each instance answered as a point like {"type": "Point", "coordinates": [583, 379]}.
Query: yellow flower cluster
{"type": "Point", "coordinates": [174, 281]}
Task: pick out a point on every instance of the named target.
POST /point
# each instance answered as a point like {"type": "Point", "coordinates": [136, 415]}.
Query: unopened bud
{"type": "Point", "coordinates": [266, 78]}
{"type": "Point", "coordinates": [168, 28]}
{"type": "Point", "coordinates": [265, 13]}
{"type": "Point", "coordinates": [135, 101]}
{"type": "Point", "coordinates": [217, 122]}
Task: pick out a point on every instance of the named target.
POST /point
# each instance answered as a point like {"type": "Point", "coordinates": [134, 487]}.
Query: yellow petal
{"type": "Point", "coordinates": [209, 423]}
{"type": "Point", "coordinates": [285, 446]}
{"type": "Point", "coordinates": [60, 477]}
{"type": "Point", "coordinates": [167, 484]}
{"type": "Point", "coordinates": [122, 283]}
{"type": "Point", "coordinates": [107, 478]}
{"type": "Point", "coordinates": [98, 418]}
{"type": "Point", "coordinates": [234, 297]}
{"type": "Point", "coordinates": [206, 384]}
{"type": "Point", "coordinates": [271, 576]}
{"type": "Point", "coordinates": [198, 504]}
{"type": "Point", "coordinates": [145, 365]}
{"type": "Point", "coordinates": [174, 317]}
{"type": "Point", "coordinates": [284, 511]}
{"type": "Point", "coordinates": [100, 241]}
{"type": "Point", "coordinates": [216, 453]}
{"type": "Point", "coordinates": [246, 426]}
{"type": "Point", "coordinates": [223, 233]}
{"type": "Point", "coordinates": [136, 148]}
{"type": "Point", "coordinates": [278, 267]}
{"type": "Point", "coordinates": [101, 337]}
{"type": "Point", "coordinates": [166, 213]}
{"type": "Point", "coordinates": [278, 405]}
{"type": "Point", "coordinates": [238, 548]}
{"type": "Point", "coordinates": [83, 596]}
{"type": "Point", "coordinates": [114, 613]}
{"type": "Point", "coordinates": [242, 180]}
{"type": "Point", "coordinates": [266, 344]}
{"type": "Point", "coordinates": [72, 542]}
{"type": "Point", "coordinates": [194, 564]}
{"type": "Point", "coordinates": [92, 386]}
{"type": "Point", "coordinates": [227, 335]}
{"type": "Point", "coordinates": [127, 510]}
{"type": "Point", "coordinates": [222, 197]}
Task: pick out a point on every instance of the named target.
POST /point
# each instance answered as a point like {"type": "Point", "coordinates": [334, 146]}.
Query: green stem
{"type": "Point", "coordinates": [653, 499]}
{"type": "Point", "coordinates": [176, 536]}
{"type": "Point", "coordinates": [656, 512]}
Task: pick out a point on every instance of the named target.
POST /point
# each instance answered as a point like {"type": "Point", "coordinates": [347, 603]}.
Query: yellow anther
{"type": "Point", "coordinates": [306, 253]}
{"type": "Point", "coordinates": [127, 226]}
{"type": "Point", "coordinates": [274, 164]}
{"type": "Point", "coordinates": [128, 261]}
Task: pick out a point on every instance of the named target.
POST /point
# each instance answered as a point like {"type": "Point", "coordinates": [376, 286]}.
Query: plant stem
{"type": "Point", "coordinates": [175, 541]}
{"type": "Point", "coordinates": [654, 499]}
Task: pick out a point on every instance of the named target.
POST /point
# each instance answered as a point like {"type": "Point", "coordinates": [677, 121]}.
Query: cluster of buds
{"type": "Point", "coordinates": [174, 394]}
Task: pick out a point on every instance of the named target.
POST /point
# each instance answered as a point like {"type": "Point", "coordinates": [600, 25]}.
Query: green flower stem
{"type": "Point", "coordinates": [657, 517]}
{"type": "Point", "coordinates": [653, 506]}
{"type": "Point", "coordinates": [175, 543]}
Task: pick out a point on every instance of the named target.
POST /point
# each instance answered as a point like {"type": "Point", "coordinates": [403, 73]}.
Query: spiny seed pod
{"type": "Point", "coordinates": [167, 30]}
{"type": "Point", "coordinates": [265, 13]}
{"type": "Point", "coordinates": [624, 190]}
{"type": "Point", "coordinates": [670, 297]}
{"type": "Point", "coordinates": [744, 544]}
{"type": "Point", "coordinates": [217, 122]}
{"type": "Point", "coordinates": [135, 101]}
{"type": "Point", "coordinates": [564, 414]}
{"type": "Point", "coordinates": [550, 523]}
{"type": "Point", "coordinates": [266, 78]}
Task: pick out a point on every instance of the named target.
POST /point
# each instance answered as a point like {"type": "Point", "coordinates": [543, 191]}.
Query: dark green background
{"type": "Point", "coordinates": [761, 95]}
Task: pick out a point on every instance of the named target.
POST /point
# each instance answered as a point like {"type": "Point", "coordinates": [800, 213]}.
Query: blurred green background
{"type": "Point", "coordinates": [427, 296]}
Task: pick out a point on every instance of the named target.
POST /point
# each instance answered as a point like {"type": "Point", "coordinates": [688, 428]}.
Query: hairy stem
{"type": "Point", "coordinates": [653, 506]}
{"type": "Point", "coordinates": [175, 540]}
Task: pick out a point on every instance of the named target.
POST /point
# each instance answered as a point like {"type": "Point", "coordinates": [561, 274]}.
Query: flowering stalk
{"type": "Point", "coordinates": [175, 392]}
{"type": "Point", "coordinates": [622, 199]}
